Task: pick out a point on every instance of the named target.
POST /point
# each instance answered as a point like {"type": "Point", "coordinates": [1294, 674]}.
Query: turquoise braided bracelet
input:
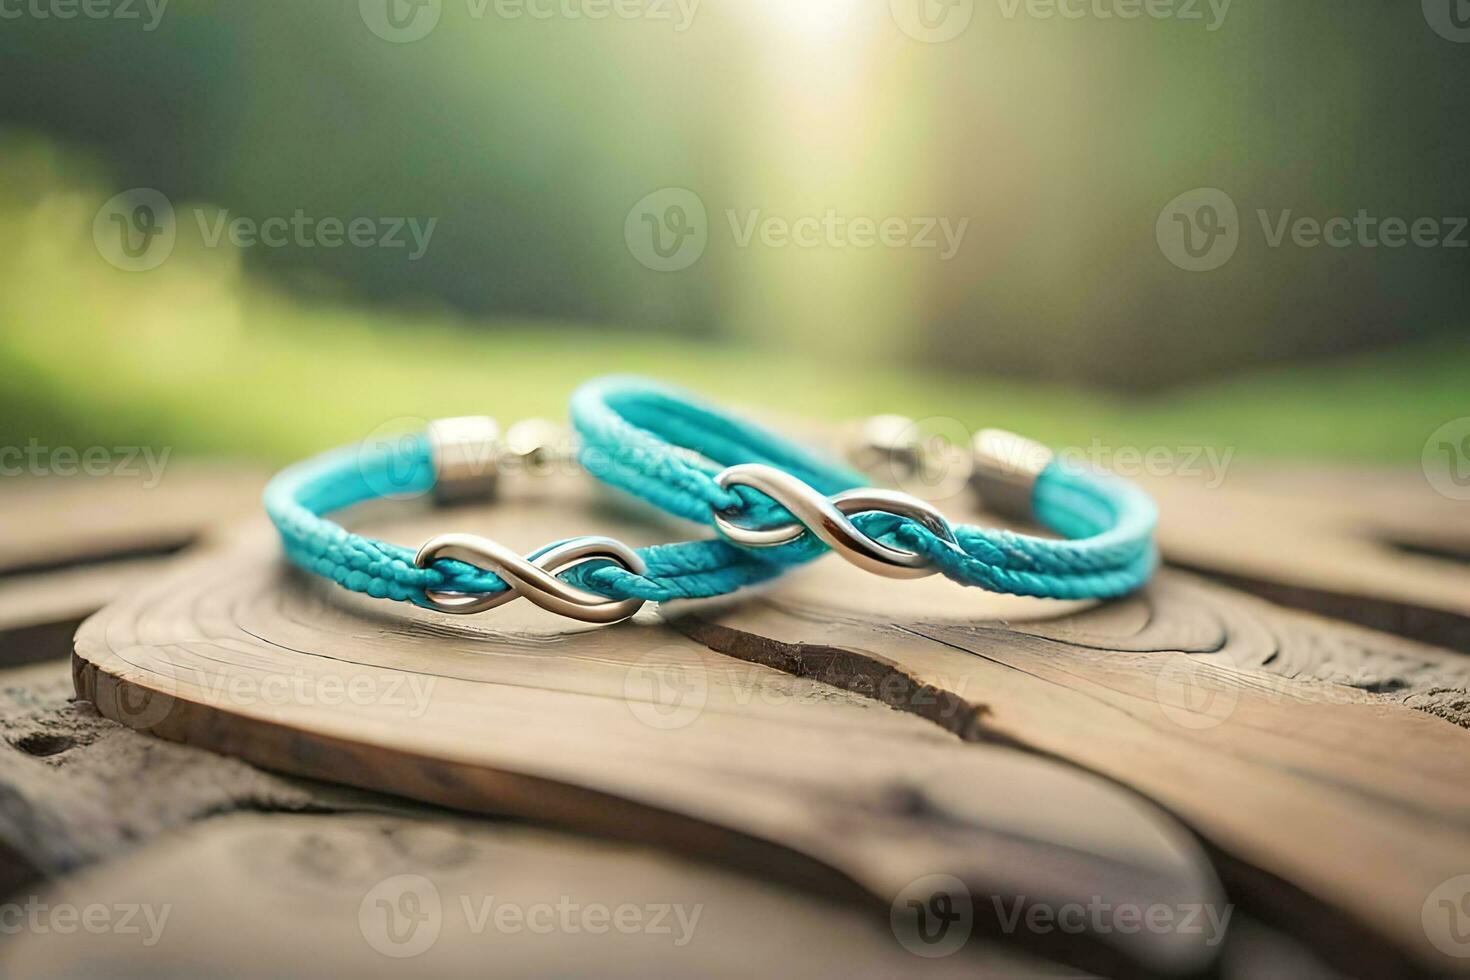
{"type": "Point", "coordinates": [774, 504]}
{"type": "Point", "coordinates": [594, 579]}
{"type": "Point", "coordinates": [782, 505]}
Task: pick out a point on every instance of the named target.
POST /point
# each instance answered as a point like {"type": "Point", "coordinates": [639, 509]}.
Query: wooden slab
{"type": "Point", "coordinates": [638, 732]}
{"type": "Point", "coordinates": [96, 813]}
{"type": "Point", "coordinates": [309, 896]}
{"type": "Point", "coordinates": [69, 545]}
{"type": "Point", "coordinates": [50, 522]}
{"type": "Point", "coordinates": [1326, 765]}
{"type": "Point", "coordinates": [79, 789]}
{"type": "Point", "coordinates": [1371, 546]}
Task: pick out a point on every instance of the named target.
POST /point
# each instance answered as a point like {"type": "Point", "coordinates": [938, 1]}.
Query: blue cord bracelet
{"type": "Point", "coordinates": [613, 578]}
{"type": "Point", "coordinates": [783, 505]}
{"type": "Point", "coordinates": [779, 504]}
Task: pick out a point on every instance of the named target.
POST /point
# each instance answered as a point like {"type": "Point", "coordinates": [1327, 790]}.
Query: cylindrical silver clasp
{"type": "Point", "coordinates": [465, 451]}
{"type": "Point", "coordinates": [1005, 471]}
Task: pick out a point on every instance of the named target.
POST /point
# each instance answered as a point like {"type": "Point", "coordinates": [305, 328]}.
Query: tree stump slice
{"type": "Point", "coordinates": [302, 898]}
{"type": "Point", "coordinates": [635, 732]}
{"type": "Point", "coordinates": [1324, 765]}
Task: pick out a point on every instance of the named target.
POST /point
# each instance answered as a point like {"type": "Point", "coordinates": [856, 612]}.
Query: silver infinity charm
{"type": "Point", "coordinates": [533, 578]}
{"type": "Point", "coordinates": [826, 517]}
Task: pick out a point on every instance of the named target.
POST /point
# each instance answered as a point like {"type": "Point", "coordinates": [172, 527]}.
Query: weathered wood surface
{"type": "Point", "coordinates": [244, 873]}
{"type": "Point", "coordinates": [328, 896]}
{"type": "Point", "coordinates": [1324, 765]}
{"type": "Point", "coordinates": [51, 522]}
{"type": "Point", "coordinates": [1321, 754]}
{"type": "Point", "coordinates": [69, 546]}
{"type": "Point", "coordinates": [79, 788]}
{"type": "Point", "coordinates": [634, 732]}
{"type": "Point", "coordinates": [80, 792]}
{"type": "Point", "coordinates": [1372, 546]}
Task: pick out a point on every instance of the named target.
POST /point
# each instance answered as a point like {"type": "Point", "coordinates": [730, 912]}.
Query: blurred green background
{"type": "Point", "coordinates": [528, 141]}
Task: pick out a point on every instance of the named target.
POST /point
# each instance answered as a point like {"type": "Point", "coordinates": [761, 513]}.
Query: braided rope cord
{"type": "Point", "coordinates": [666, 446]}
{"type": "Point", "coordinates": [298, 498]}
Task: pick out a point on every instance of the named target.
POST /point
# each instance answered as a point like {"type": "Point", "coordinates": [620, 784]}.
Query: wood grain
{"type": "Point", "coordinates": [1323, 764]}
{"type": "Point", "coordinates": [79, 789]}
{"type": "Point", "coordinates": [268, 875]}
{"type": "Point", "coordinates": [252, 895]}
{"type": "Point", "coordinates": [68, 546]}
{"type": "Point", "coordinates": [1376, 547]}
{"type": "Point", "coordinates": [1327, 765]}
{"type": "Point", "coordinates": [633, 732]}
